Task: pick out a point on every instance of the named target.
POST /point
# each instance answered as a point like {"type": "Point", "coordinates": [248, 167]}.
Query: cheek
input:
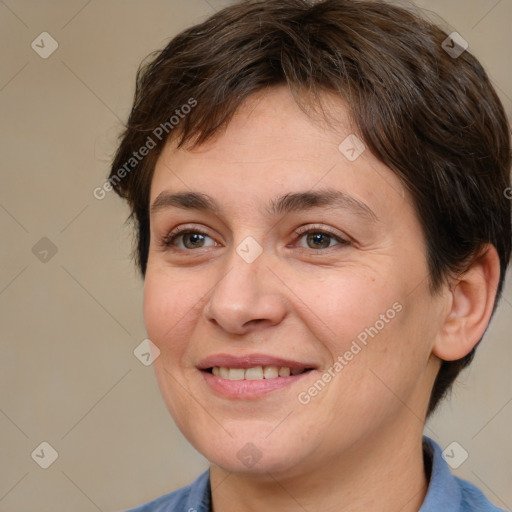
{"type": "Point", "coordinates": [377, 329]}
{"type": "Point", "coordinates": [168, 308]}
{"type": "Point", "coordinates": [357, 306]}
{"type": "Point", "coordinates": [397, 357]}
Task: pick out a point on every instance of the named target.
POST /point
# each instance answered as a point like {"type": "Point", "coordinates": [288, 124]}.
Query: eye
{"type": "Point", "coordinates": [319, 238]}
{"type": "Point", "coordinates": [191, 238]}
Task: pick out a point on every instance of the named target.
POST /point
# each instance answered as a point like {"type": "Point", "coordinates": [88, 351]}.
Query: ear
{"type": "Point", "coordinates": [472, 299]}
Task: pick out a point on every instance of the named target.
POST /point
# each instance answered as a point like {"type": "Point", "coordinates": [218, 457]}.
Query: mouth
{"type": "Point", "coordinates": [251, 376]}
{"type": "Point", "coordinates": [255, 372]}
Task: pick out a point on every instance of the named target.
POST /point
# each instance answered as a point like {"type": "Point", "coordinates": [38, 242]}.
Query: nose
{"type": "Point", "coordinates": [246, 296]}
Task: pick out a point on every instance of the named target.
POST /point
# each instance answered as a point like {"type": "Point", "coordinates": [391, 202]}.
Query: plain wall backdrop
{"type": "Point", "coordinates": [70, 297]}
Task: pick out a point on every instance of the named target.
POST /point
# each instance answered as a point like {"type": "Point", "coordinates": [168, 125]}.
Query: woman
{"type": "Point", "coordinates": [318, 196]}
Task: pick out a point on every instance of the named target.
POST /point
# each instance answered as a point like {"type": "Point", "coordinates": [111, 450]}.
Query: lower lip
{"type": "Point", "coordinates": [249, 388]}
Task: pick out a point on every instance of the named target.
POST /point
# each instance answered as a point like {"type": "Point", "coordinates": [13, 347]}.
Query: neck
{"type": "Point", "coordinates": [382, 475]}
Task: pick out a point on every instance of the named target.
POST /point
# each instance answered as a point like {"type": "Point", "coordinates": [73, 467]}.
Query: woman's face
{"type": "Point", "coordinates": [338, 288]}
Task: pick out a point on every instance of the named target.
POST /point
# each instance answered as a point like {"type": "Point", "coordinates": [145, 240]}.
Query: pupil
{"type": "Point", "coordinates": [317, 238]}
{"type": "Point", "coordinates": [192, 235]}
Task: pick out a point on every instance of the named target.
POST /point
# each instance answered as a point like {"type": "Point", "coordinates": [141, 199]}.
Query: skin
{"type": "Point", "coordinates": [357, 444]}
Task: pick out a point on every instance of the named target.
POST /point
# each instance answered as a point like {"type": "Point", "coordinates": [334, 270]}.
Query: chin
{"type": "Point", "coordinates": [248, 461]}
{"type": "Point", "coordinates": [250, 453]}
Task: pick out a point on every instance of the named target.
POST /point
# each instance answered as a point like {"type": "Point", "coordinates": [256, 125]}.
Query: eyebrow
{"type": "Point", "coordinates": [291, 202]}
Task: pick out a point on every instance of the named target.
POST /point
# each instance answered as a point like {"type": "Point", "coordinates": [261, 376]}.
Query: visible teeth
{"type": "Point", "coordinates": [254, 373]}
{"type": "Point", "coordinates": [284, 371]}
{"type": "Point", "coordinates": [270, 372]}
{"type": "Point", "coordinates": [236, 374]}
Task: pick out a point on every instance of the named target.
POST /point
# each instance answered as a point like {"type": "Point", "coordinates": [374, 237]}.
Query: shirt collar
{"type": "Point", "coordinates": [200, 496]}
{"type": "Point", "coordinates": [443, 490]}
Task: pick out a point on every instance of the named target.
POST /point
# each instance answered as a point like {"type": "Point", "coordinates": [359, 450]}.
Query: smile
{"type": "Point", "coordinates": [251, 376]}
{"type": "Point", "coordinates": [255, 372]}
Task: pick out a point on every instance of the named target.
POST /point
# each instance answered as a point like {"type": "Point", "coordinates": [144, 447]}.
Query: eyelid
{"type": "Point", "coordinates": [167, 240]}
{"type": "Point", "coordinates": [342, 239]}
{"type": "Point", "coordinates": [320, 228]}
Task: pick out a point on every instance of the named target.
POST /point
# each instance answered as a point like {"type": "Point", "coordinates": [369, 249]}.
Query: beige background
{"type": "Point", "coordinates": [69, 325]}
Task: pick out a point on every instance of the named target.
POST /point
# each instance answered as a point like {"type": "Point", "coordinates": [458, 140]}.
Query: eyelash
{"type": "Point", "coordinates": [169, 240]}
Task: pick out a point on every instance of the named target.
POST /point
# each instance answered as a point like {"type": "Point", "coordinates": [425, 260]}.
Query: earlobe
{"type": "Point", "coordinates": [472, 300]}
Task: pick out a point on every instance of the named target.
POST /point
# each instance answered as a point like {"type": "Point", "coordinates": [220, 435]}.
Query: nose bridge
{"type": "Point", "coordinates": [245, 291]}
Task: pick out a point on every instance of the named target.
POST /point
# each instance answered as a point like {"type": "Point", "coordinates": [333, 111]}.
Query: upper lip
{"type": "Point", "coordinates": [250, 361]}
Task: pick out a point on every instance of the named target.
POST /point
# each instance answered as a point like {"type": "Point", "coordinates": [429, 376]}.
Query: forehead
{"type": "Point", "coordinates": [271, 148]}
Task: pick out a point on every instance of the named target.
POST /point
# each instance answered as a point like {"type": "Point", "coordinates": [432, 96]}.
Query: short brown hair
{"type": "Point", "coordinates": [434, 119]}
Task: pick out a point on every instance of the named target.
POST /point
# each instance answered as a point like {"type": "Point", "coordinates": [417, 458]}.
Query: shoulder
{"type": "Point", "coordinates": [473, 499]}
{"type": "Point", "coordinates": [191, 498]}
{"type": "Point", "coordinates": [448, 492]}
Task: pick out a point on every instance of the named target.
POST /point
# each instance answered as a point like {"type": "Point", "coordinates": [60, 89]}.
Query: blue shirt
{"type": "Point", "coordinates": [446, 493]}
